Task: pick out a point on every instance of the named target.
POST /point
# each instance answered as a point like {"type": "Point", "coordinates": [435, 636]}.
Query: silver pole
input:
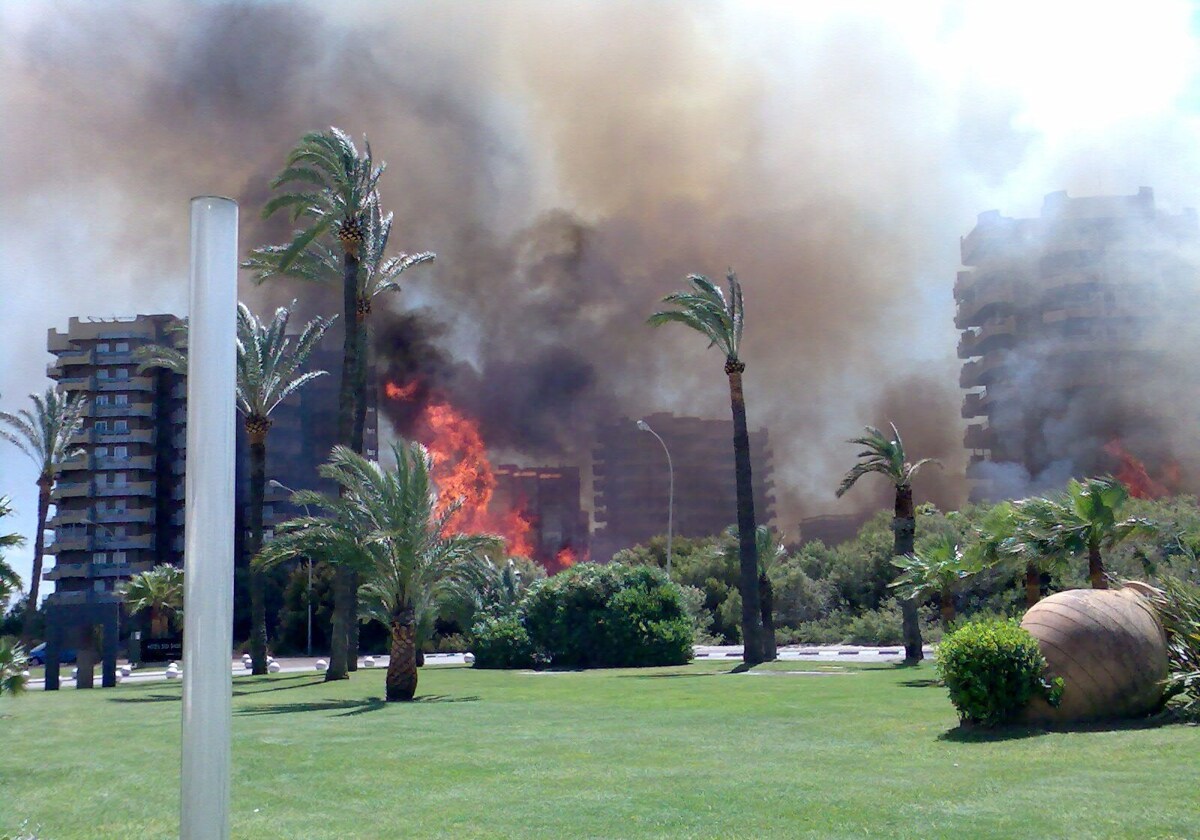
{"type": "Point", "coordinates": [645, 427]}
{"type": "Point", "coordinates": [209, 528]}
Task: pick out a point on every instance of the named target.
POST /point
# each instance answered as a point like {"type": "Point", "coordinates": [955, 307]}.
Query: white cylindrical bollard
{"type": "Point", "coordinates": [209, 528]}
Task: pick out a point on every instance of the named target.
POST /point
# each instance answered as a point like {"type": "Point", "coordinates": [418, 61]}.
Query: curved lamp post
{"type": "Point", "coordinates": [282, 486]}
{"type": "Point", "coordinates": [645, 427]}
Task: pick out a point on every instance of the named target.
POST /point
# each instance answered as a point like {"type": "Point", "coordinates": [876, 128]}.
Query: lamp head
{"type": "Point", "coordinates": [643, 425]}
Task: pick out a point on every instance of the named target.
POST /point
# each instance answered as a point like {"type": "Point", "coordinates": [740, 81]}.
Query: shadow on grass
{"type": "Point", "coordinates": [289, 682]}
{"type": "Point", "coordinates": [929, 683]}
{"type": "Point", "coordinates": [150, 698]}
{"type": "Point", "coordinates": [293, 682]}
{"type": "Point", "coordinates": [966, 733]}
{"type": "Point", "coordinates": [665, 676]}
{"type": "Point", "coordinates": [347, 708]}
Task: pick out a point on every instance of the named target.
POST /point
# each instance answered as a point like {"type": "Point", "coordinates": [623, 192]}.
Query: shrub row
{"type": "Point", "coordinates": [591, 616]}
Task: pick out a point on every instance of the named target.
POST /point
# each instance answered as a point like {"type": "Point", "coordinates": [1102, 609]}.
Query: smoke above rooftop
{"type": "Point", "coordinates": [570, 164]}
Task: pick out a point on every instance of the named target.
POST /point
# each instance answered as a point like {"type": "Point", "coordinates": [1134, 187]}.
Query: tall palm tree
{"type": "Point", "coordinates": [10, 581]}
{"type": "Point", "coordinates": [44, 434]}
{"type": "Point", "coordinates": [159, 592]}
{"type": "Point", "coordinates": [333, 188]}
{"type": "Point", "coordinates": [384, 522]}
{"type": "Point", "coordinates": [888, 458]}
{"type": "Point", "coordinates": [1082, 521]}
{"type": "Point", "coordinates": [706, 309]}
{"type": "Point", "coordinates": [268, 372]}
{"type": "Point", "coordinates": [378, 274]}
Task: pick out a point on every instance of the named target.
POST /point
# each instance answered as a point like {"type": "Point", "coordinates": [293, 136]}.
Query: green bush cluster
{"type": "Point", "coordinates": [993, 668]}
{"type": "Point", "coordinates": [591, 616]}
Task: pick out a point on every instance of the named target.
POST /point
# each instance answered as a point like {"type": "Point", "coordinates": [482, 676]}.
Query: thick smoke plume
{"type": "Point", "coordinates": [570, 164]}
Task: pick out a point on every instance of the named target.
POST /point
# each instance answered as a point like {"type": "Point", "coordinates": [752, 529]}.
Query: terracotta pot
{"type": "Point", "coordinates": [1109, 648]}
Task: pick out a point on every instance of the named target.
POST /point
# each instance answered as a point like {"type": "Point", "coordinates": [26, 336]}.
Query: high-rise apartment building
{"type": "Point", "coordinates": [1073, 331]}
{"type": "Point", "coordinates": [632, 481]}
{"type": "Point", "coordinates": [118, 507]}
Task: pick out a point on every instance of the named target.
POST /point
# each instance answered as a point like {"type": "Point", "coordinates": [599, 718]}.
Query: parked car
{"type": "Point", "coordinates": [37, 656]}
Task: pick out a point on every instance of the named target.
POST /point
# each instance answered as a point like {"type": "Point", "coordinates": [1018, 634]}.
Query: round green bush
{"type": "Point", "coordinates": [609, 616]}
{"type": "Point", "coordinates": [502, 642]}
{"type": "Point", "coordinates": [993, 668]}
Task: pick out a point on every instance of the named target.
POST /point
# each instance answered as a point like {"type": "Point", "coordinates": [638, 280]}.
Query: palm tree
{"type": "Point", "coordinates": [44, 434]}
{"type": "Point", "coordinates": [159, 592]}
{"type": "Point", "coordinates": [384, 522]}
{"type": "Point", "coordinates": [936, 570]}
{"type": "Point", "coordinates": [1081, 521]}
{"type": "Point", "coordinates": [268, 372]}
{"type": "Point", "coordinates": [10, 581]}
{"type": "Point", "coordinates": [770, 552]}
{"type": "Point", "coordinates": [334, 189]}
{"type": "Point", "coordinates": [706, 309]}
{"type": "Point", "coordinates": [12, 666]}
{"type": "Point", "coordinates": [888, 458]}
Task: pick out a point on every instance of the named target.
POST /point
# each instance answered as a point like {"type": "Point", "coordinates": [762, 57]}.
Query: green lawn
{"type": "Point", "coordinates": [694, 751]}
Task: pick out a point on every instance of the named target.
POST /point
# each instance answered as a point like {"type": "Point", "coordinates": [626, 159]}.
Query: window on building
{"type": "Point", "coordinates": [102, 399]}
{"type": "Point", "coordinates": [100, 558]}
{"type": "Point", "coordinates": [120, 531]}
{"type": "Point", "coordinates": [102, 347]}
{"type": "Point", "coordinates": [121, 373]}
{"type": "Point", "coordinates": [121, 426]}
{"type": "Point", "coordinates": [101, 451]}
{"type": "Point", "coordinates": [122, 346]}
{"type": "Point", "coordinates": [98, 585]}
{"type": "Point", "coordinates": [101, 426]}
{"type": "Point", "coordinates": [119, 557]}
{"type": "Point", "coordinates": [121, 452]}
{"type": "Point", "coordinates": [122, 399]}
{"type": "Point", "coordinates": [120, 479]}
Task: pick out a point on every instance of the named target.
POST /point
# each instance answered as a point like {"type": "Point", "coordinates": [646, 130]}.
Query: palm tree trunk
{"type": "Point", "coordinates": [401, 680]}
{"type": "Point", "coordinates": [754, 648]}
{"type": "Point", "coordinates": [348, 396]}
{"type": "Point", "coordinates": [358, 444]}
{"type": "Point", "coordinates": [904, 528]}
{"type": "Point", "coordinates": [1033, 585]}
{"type": "Point", "coordinates": [948, 612]}
{"type": "Point", "coordinates": [258, 607]}
{"type": "Point", "coordinates": [45, 485]}
{"type": "Point", "coordinates": [1096, 567]}
{"type": "Point", "coordinates": [766, 600]}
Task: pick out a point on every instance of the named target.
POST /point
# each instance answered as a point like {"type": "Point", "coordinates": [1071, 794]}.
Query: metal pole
{"type": "Point", "coordinates": [209, 528]}
{"type": "Point", "coordinates": [645, 427]}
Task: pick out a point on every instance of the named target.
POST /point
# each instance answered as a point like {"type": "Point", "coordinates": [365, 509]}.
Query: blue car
{"type": "Point", "coordinates": [37, 656]}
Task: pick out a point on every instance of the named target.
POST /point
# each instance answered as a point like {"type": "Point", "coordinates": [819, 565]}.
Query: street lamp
{"type": "Point", "coordinates": [645, 427]}
{"type": "Point", "coordinates": [282, 486]}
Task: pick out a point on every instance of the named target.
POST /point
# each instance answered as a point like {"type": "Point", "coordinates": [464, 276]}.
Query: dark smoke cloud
{"type": "Point", "coordinates": [569, 163]}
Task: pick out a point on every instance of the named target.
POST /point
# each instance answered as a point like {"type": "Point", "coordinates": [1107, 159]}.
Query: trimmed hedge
{"type": "Point", "coordinates": [592, 616]}
{"type": "Point", "coordinates": [993, 668]}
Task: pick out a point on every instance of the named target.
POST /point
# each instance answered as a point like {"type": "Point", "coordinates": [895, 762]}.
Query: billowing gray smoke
{"type": "Point", "coordinates": [570, 164]}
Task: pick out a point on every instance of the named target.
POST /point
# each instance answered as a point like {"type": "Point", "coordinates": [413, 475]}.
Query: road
{"type": "Point", "coordinates": [293, 665]}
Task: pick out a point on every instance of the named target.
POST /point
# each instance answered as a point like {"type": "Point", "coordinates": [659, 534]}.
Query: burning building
{"type": "Point", "coordinates": [632, 481]}
{"type": "Point", "coordinates": [1077, 347]}
{"type": "Point", "coordinates": [550, 499]}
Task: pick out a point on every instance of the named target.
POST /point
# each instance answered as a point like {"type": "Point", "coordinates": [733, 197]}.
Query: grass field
{"type": "Point", "coordinates": [693, 751]}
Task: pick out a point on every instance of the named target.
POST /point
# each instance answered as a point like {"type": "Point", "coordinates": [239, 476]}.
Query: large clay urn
{"type": "Point", "coordinates": [1109, 648]}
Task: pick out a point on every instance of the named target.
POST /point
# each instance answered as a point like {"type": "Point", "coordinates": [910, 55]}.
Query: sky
{"type": "Point", "coordinates": [571, 162]}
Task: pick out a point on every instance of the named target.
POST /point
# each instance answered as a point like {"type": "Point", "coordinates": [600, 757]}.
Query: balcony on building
{"type": "Point", "coordinates": [136, 383]}
{"type": "Point", "coordinates": [982, 372]}
{"type": "Point", "coordinates": [67, 570]}
{"type": "Point", "coordinates": [130, 436]}
{"type": "Point", "coordinates": [137, 488]}
{"type": "Point", "coordinates": [130, 462]}
{"type": "Point", "coordinates": [72, 489]}
{"type": "Point", "coordinates": [68, 542]}
{"type": "Point", "coordinates": [976, 405]}
{"type": "Point", "coordinates": [63, 516]}
{"type": "Point", "coordinates": [77, 383]}
{"type": "Point", "coordinates": [997, 333]}
{"type": "Point", "coordinates": [105, 542]}
{"type": "Point", "coordinates": [87, 596]}
{"type": "Point", "coordinates": [122, 516]}
{"type": "Point", "coordinates": [131, 410]}
{"type": "Point", "coordinates": [979, 437]}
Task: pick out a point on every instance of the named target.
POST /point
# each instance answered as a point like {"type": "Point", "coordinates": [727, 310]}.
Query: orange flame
{"type": "Point", "coordinates": [1133, 474]}
{"type": "Point", "coordinates": [566, 558]}
{"type": "Point", "coordinates": [461, 470]}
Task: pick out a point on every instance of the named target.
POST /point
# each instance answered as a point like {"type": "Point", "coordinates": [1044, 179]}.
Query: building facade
{"type": "Point", "coordinates": [550, 500]}
{"type": "Point", "coordinates": [1074, 340]}
{"type": "Point", "coordinates": [118, 509]}
{"type": "Point", "coordinates": [632, 482]}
